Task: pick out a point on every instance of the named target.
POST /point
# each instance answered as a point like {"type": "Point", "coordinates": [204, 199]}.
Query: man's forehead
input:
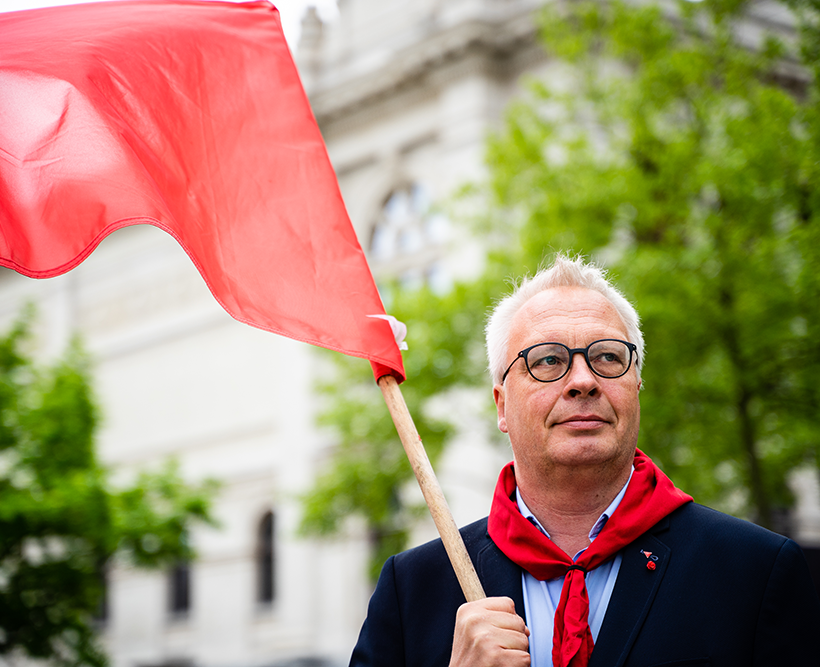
{"type": "Point", "coordinates": [567, 309]}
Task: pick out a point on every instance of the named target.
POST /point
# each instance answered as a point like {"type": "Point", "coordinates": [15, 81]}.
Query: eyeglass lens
{"type": "Point", "coordinates": [550, 361]}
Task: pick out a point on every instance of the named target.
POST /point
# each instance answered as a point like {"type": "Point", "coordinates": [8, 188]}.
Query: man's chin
{"type": "Point", "coordinates": [587, 452]}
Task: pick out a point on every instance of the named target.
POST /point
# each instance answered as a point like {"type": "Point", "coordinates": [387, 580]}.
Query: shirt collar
{"type": "Point", "coordinates": [597, 526]}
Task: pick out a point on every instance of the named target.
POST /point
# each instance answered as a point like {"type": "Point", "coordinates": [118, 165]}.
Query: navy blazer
{"type": "Point", "coordinates": [724, 592]}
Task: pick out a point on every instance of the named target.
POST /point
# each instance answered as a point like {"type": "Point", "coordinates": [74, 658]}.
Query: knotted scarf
{"type": "Point", "coordinates": [649, 497]}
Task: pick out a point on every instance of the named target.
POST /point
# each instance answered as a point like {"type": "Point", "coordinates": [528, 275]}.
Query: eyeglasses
{"type": "Point", "coordinates": [548, 362]}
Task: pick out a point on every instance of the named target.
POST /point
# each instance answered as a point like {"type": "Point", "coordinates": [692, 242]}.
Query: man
{"type": "Point", "coordinates": [590, 556]}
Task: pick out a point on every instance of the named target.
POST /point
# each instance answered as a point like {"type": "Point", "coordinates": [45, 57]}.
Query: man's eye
{"type": "Point", "coordinates": [608, 359]}
{"type": "Point", "coordinates": [550, 360]}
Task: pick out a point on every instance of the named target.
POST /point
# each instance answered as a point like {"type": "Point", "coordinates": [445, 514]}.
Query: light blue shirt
{"type": "Point", "coordinates": [541, 597]}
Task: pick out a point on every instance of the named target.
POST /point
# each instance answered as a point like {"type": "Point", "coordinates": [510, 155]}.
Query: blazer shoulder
{"type": "Point", "coordinates": [411, 616]}
{"type": "Point", "coordinates": [698, 524]}
{"type": "Point", "coordinates": [475, 539]}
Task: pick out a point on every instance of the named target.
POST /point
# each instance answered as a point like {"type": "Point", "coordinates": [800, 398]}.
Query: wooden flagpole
{"type": "Point", "coordinates": [436, 503]}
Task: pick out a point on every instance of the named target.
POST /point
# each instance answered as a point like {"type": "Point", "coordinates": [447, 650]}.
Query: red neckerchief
{"type": "Point", "coordinates": [649, 497]}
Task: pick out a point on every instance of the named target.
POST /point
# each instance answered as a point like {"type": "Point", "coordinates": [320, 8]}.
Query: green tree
{"type": "Point", "coordinates": [61, 522]}
{"type": "Point", "coordinates": [687, 164]}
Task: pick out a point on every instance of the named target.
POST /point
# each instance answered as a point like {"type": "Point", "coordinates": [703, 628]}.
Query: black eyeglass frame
{"type": "Point", "coordinates": [633, 351]}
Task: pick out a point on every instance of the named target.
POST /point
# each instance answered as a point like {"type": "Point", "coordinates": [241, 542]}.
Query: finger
{"type": "Point", "coordinates": [496, 603]}
{"type": "Point", "coordinates": [512, 640]}
{"type": "Point", "coordinates": [500, 612]}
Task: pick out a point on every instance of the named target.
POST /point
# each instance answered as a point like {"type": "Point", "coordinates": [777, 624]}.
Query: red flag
{"type": "Point", "coordinates": [189, 116]}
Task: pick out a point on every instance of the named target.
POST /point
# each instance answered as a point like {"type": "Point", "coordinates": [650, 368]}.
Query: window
{"type": "Point", "coordinates": [101, 614]}
{"type": "Point", "coordinates": [408, 240]}
{"type": "Point", "coordinates": [179, 589]}
{"type": "Point", "coordinates": [266, 560]}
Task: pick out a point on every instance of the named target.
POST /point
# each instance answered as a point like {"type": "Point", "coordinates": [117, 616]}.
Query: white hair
{"type": "Point", "coordinates": [564, 272]}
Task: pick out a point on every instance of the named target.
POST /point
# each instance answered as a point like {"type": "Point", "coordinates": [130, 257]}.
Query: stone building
{"type": "Point", "coordinates": [405, 93]}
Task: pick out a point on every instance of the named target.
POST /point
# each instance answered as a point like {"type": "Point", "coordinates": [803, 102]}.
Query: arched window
{"type": "Point", "coordinates": [266, 560]}
{"type": "Point", "coordinates": [408, 239]}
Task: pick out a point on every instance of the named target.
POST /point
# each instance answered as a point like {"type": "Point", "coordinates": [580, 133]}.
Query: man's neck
{"type": "Point", "coordinates": [568, 505]}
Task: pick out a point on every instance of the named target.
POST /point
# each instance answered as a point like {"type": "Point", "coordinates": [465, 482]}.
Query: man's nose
{"type": "Point", "coordinates": [581, 381]}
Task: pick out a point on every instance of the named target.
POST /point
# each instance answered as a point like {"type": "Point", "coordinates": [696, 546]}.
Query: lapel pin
{"type": "Point", "coordinates": [650, 560]}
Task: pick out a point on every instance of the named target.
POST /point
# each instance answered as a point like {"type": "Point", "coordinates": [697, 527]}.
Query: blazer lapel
{"type": "Point", "coordinates": [636, 587]}
{"type": "Point", "coordinates": [499, 575]}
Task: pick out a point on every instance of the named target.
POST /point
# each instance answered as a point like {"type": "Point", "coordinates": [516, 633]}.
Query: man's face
{"type": "Point", "coordinates": [581, 421]}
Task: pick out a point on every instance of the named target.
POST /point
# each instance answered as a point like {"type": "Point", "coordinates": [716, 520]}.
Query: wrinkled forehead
{"type": "Point", "coordinates": [575, 316]}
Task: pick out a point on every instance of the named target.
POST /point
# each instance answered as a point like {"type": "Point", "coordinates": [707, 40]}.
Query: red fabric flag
{"type": "Point", "coordinates": [189, 116]}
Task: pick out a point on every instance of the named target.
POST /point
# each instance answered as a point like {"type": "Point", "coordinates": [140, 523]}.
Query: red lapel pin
{"type": "Point", "coordinates": [650, 560]}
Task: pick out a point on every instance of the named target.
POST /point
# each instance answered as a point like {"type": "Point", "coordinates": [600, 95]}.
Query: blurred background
{"type": "Point", "coordinates": [678, 145]}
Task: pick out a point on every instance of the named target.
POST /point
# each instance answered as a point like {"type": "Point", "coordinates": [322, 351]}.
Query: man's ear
{"type": "Point", "coordinates": [499, 398]}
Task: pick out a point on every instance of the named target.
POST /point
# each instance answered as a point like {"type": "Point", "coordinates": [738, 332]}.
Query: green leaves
{"type": "Point", "coordinates": [61, 522]}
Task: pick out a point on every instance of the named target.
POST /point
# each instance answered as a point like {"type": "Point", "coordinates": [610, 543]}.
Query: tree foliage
{"type": "Point", "coordinates": [61, 521]}
{"type": "Point", "coordinates": [686, 163]}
